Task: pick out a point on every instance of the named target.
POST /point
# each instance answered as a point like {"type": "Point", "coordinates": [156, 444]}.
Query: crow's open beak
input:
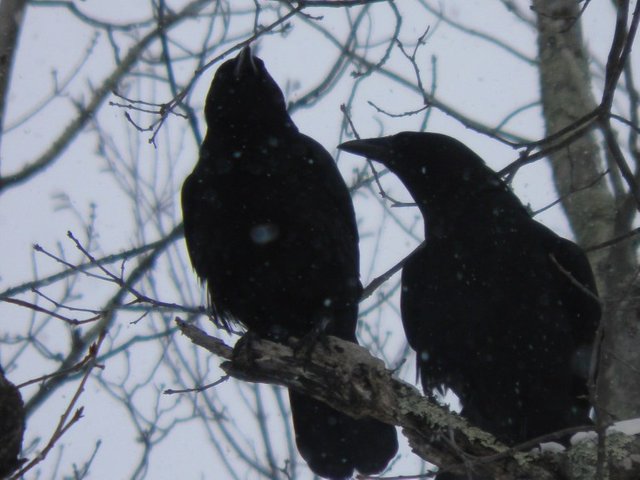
{"type": "Point", "coordinates": [245, 63]}
{"type": "Point", "coordinates": [373, 148]}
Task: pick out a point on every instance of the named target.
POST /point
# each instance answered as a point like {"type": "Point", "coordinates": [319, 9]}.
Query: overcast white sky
{"type": "Point", "coordinates": [482, 81]}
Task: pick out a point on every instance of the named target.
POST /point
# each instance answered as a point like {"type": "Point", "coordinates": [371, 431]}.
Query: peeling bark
{"type": "Point", "coordinates": [348, 378]}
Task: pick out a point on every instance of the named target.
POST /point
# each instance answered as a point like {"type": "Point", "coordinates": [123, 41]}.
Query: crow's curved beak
{"type": "Point", "coordinates": [245, 63]}
{"type": "Point", "coordinates": [373, 148]}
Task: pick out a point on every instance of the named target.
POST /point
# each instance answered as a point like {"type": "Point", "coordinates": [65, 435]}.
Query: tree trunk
{"type": "Point", "coordinates": [11, 15]}
{"type": "Point", "coordinates": [595, 213]}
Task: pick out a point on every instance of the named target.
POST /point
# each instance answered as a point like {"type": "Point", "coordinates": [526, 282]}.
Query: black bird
{"type": "Point", "coordinates": [499, 308]}
{"type": "Point", "coordinates": [11, 427]}
{"type": "Point", "coordinates": [271, 229]}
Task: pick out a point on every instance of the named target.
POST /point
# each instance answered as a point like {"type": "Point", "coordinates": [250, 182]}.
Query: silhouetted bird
{"type": "Point", "coordinates": [270, 227]}
{"type": "Point", "coordinates": [11, 427]}
{"type": "Point", "coordinates": [498, 307]}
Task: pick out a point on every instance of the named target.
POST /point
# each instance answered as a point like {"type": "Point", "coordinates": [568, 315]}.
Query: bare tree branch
{"type": "Point", "coordinates": [72, 130]}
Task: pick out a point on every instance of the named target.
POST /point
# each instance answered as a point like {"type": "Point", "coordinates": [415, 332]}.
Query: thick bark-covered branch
{"type": "Point", "coordinates": [11, 15]}
{"type": "Point", "coordinates": [348, 378]}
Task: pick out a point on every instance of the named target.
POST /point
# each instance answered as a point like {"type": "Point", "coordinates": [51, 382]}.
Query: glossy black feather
{"type": "Point", "coordinates": [271, 229]}
{"type": "Point", "coordinates": [485, 304]}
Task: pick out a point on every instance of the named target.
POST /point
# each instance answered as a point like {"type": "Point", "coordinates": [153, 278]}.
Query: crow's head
{"type": "Point", "coordinates": [427, 163]}
{"type": "Point", "coordinates": [418, 153]}
{"type": "Point", "coordinates": [243, 94]}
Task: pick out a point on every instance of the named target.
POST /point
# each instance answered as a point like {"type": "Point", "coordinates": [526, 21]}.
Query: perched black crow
{"type": "Point", "coordinates": [11, 427]}
{"type": "Point", "coordinates": [498, 307]}
{"type": "Point", "coordinates": [270, 227]}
